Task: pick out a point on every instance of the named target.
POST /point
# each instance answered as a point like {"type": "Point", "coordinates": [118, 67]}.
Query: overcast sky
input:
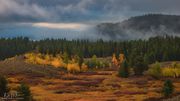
{"type": "Point", "coordinates": [81, 10]}
{"type": "Point", "coordinates": [30, 16]}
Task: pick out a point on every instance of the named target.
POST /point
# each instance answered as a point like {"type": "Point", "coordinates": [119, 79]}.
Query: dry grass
{"type": "Point", "coordinates": [17, 66]}
{"type": "Point", "coordinates": [88, 86]}
{"type": "Point", "coordinates": [97, 88]}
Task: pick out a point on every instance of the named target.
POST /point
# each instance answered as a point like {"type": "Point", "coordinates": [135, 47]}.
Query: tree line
{"type": "Point", "coordinates": [159, 48]}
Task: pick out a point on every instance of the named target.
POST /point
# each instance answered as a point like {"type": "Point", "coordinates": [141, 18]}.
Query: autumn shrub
{"type": "Point", "coordinates": [155, 71]}
{"type": "Point", "coordinates": [168, 72]}
{"type": "Point", "coordinates": [104, 64]}
{"type": "Point", "coordinates": [95, 63]}
{"type": "Point", "coordinates": [30, 58]}
{"type": "Point", "coordinates": [171, 72]}
{"type": "Point", "coordinates": [175, 65]}
{"type": "Point", "coordinates": [84, 67]}
{"type": "Point", "coordinates": [62, 61]}
{"type": "Point", "coordinates": [41, 61]}
{"type": "Point", "coordinates": [73, 67]}
{"type": "Point", "coordinates": [37, 58]}
{"type": "Point", "coordinates": [58, 63]}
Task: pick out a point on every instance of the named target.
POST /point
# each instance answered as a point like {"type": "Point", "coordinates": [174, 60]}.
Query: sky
{"type": "Point", "coordinates": [55, 18]}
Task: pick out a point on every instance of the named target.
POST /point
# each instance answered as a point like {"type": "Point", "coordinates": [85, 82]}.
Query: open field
{"type": "Point", "coordinates": [50, 84]}
{"type": "Point", "coordinates": [95, 86]}
{"type": "Point", "coordinates": [100, 85]}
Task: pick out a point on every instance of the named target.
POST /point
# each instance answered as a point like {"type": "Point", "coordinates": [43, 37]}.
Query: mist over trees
{"type": "Point", "coordinates": [160, 48]}
{"type": "Point", "coordinates": [143, 27]}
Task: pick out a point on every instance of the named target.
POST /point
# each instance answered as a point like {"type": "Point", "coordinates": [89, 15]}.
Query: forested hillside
{"type": "Point", "coordinates": [155, 24]}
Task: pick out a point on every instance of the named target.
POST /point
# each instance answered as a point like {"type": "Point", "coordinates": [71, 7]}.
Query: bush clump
{"type": "Point", "coordinates": [95, 63]}
{"type": "Point", "coordinates": [171, 71]}
{"type": "Point", "coordinates": [155, 71]}
{"type": "Point", "coordinates": [73, 67]}
{"type": "Point", "coordinates": [60, 61]}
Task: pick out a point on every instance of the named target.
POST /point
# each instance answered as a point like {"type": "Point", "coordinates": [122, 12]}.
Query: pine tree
{"type": "Point", "coordinates": [139, 65]}
{"type": "Point", "coordinates": [81, 60]}
{"type": "Point", "coordinates": [168, 88]}
{"type": "Point", "coordinates": [65, 57]}
{"type": "Point", "coordinates": [123, 70]}
{"type": "Point", "coordinates": [126, 54]}
{"type": "Point", "coordinates": [25, 92]}
{"type": "Point", "coordinates": [3, 86]}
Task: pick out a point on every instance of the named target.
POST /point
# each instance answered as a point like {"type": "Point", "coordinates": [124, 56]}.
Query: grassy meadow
{"type": "Point", "coordinates": [50, 78]}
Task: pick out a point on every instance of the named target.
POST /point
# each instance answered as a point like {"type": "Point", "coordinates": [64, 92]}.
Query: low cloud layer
{"type": "Point", "coordinates": [74, 26]}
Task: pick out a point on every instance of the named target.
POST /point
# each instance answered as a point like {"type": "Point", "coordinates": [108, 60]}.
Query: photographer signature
{"type": "Point", "coordinates": [11, 96]}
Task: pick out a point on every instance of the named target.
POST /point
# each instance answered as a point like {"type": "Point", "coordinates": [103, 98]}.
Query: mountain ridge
{"type": "Point", "coordinates": [154, 24]}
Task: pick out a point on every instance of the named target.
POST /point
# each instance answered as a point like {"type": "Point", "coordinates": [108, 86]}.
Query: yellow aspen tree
{"type": "Point", "coordinates": [114, 60]}
{"type": "Point", "coordinates": [121, 58]}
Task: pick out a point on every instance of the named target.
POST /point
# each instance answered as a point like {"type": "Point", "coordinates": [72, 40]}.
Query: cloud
{"type": "Point", "coordinates": [75, 26]}
{"type": "Point", "coordinates": [12, 10]}
{"type": "Point", "coordinates": [81, 10]}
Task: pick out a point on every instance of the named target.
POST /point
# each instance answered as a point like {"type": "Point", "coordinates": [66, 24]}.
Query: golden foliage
{"type": "Point", "coordinates": [155, 70]}
{"type": "Point", "coordinates": [73, 67]}
{"type": "Point", "coordinates": [84, 67]}
{"type": "Point", "coordinates": [114, 60]}
{"type": "Point", "coordinates": [121, 58]}
{"type": "Point", "coordinates": [171, 72]}
{"type": "Point", "coordinates": [118, 61]}
{"type": "Point", "coordinates": [37, 58]}
{"type": "Point", "coordinates": [55, 61]}
{"type": "Point", "coordinates": [58, 63]}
